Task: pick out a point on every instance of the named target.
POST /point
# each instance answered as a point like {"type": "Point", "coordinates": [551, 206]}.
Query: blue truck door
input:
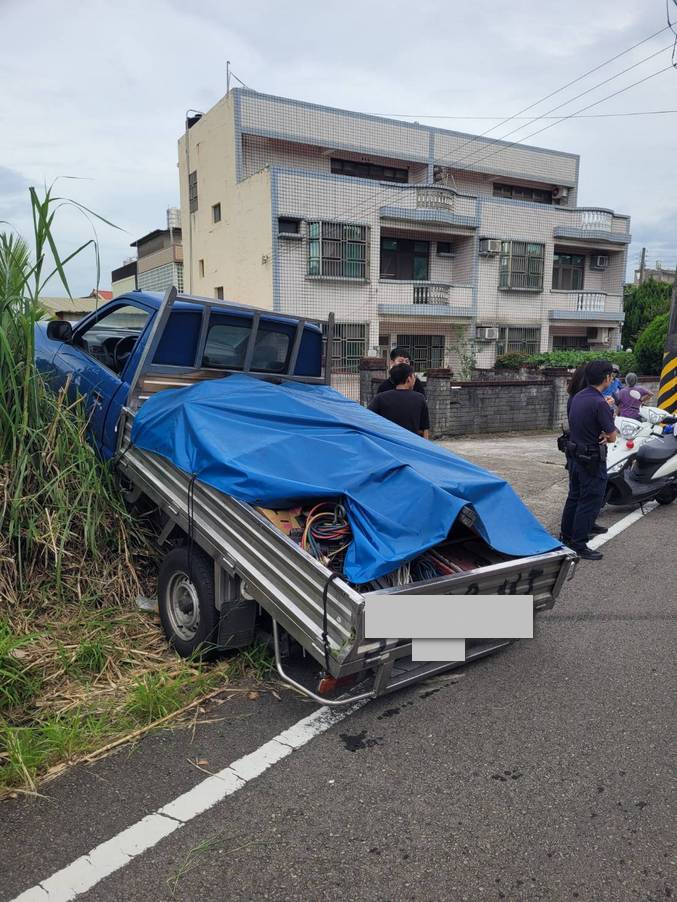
{"type": "Point", "coordinates": [98, 358]}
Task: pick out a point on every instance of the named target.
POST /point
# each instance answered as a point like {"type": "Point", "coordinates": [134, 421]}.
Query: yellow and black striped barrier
{"type": "Point", "coordinates": [667, 391]}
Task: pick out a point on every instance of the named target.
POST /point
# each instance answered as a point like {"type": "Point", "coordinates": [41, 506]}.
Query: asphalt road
{"type": "Point", "coordinates": [543, 772]}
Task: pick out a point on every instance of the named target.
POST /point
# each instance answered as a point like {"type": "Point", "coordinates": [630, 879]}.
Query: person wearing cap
{"type": "Point", "coordinates": [631, 397]}
{"type": "Point", "coordinates": [615, 386]}
{"type": "Point", "coordinates": [398, 356]}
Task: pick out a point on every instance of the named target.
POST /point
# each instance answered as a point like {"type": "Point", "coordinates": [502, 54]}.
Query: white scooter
{"type": "Point", "coordinates": [642, 462]}
{"type": "Point", "coordinates": [632, 434]}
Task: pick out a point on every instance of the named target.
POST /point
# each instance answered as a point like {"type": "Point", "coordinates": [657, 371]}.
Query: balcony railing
{"type": "Point", "coordinates": [595, 220]}
{"type": "Point", "coordinates": [424, 298]}
{"type": "Point", "coordinates": [591, 223]}
{"type": "Point", "coordinates": [586, 302]}
{"type": "Point", "coordinates": [435, 198]}
{"type": "Point", "coordinates": [591, 300]}
{"type": "Point", "coordinates": [430, 294]}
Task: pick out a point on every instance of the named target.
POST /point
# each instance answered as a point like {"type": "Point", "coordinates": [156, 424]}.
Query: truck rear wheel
{"type": "Point", "coordinates": [186, 602]}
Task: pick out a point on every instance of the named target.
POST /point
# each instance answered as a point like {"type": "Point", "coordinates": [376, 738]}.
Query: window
{"type": "Point", "coordinates": [404, 258]}
{"type": "Point", "coordinates": [518, 340]}
{"type": "Point", "coordinates": [226, 346]}
{"type": "Point", "coordinates": [521, 265]}
{"type": "Point", "coordinates": [444, 249]}
{"type": "Point", "coordinates": [338, 250]}
{"type": "Point", "coordinates": [192, 191]}
{"type": "Point", "coordinates": [111, 339]}
{"type": "Point", "coordinates": [227, 342]}
{"type": "Point", "coordinates": [201, 268]}
{"type": "Point", "coordinates": [286, 226]}
{"type": "Point", "coordinates": [216, 213]}
{"type": "Point", "coordinates": [520, 192]}
{"type": "Point", "coordinates": [218, 292]}
{"type": "Point", "coordinates": [349, 346]}
{"type": "Point", "coordinates": [369, 171]}
{"type": "Point", "coordinates": [426, 351]}
{"type": "Point", "coordinates": [567, 271]}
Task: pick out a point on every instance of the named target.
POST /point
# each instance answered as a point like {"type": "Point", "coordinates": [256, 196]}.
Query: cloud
{"type": "Point", "coordinates": [102, 88]}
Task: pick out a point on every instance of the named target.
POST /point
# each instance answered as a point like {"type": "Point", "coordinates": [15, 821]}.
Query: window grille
{"type": "Point", "coordinates": [338, 250]}
{"type": "Point", "coordinates": [521, 265]}
{"type": "Point", "coordinates": [518, 340]}
{"type": "Point", "coordinates": [349, 346]}
{"type": "Point", "coordinates": [426, 351]}
{"type": "Point", "coordinates": [192, 191]}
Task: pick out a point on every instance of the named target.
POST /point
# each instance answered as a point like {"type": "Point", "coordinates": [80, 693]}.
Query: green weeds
{"type": "Point", "coordinates": [80, 668]}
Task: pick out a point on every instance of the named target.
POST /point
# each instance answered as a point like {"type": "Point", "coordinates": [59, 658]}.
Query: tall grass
{"type": "Point", "coordinates": [80, 668]}
{"type": "Point", "coordinates": [58, 506]}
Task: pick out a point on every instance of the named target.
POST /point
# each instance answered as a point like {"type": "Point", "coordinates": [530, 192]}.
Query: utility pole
{"type": "Point", "coordinates": [227, 77]}
{"type": "Point", "coordinates": [642, 262]}
{"type": "Point", "coordinates": [667, 391]}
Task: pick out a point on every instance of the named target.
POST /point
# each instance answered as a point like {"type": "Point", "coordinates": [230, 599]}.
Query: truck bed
{"type": "Point", "coordinates": [288, 582]}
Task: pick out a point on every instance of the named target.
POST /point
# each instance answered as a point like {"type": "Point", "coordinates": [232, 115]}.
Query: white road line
{"type": "Point", "coordinates": [110, 856]}
{"type": "Point", "coordinates": [620, 525]}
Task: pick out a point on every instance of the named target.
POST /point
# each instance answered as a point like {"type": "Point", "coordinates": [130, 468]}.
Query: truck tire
{"type": "Point", "coordinates": [667, 495]}
{"type": "Point", "coordinates": [186, 602]}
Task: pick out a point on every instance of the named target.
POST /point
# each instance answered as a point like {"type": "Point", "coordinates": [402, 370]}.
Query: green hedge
{"type": "Point", "coordinates": [650, 345]}
{"type": "Point", "coordinates": [511, 361]}
{"type": "Point", "coordinates": [571, 359]}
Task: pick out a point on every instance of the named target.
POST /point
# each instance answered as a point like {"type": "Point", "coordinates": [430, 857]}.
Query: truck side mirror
{"type": "Point", "coordinates": [59, 330]}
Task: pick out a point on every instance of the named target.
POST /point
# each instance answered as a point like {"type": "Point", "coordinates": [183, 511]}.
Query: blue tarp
{"type": "Point", "coordinates": [280, 445]}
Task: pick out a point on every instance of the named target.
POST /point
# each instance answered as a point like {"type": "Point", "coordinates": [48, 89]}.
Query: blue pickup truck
{"type": "Point", "coordinates": [232, 569]}
{"type": "Point", "coordinates": [99, 357]}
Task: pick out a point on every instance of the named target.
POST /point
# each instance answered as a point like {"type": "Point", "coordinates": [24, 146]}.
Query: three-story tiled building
{"type": "Point", "coordinates": [449, 244]}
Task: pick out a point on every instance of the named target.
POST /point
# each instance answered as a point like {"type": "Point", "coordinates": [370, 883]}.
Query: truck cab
{"type": "Point", "coordinates": [97, 358]}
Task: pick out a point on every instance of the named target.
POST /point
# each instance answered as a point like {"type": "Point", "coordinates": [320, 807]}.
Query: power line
{"type": "Point", "coordinates": [524, 118]}
{"type": "Point", "coordinates": [671, 26]}
{"type": "Point", "coordinates": [569, 84]}
{"type": "Point", "coordinates": [571, 115]}
{"type": "Point", "coordinates": [506, 146]}
{"type": "Point", "coordinates": [360, 209]}
{"type": "Point", "coordinates": [571, 99]}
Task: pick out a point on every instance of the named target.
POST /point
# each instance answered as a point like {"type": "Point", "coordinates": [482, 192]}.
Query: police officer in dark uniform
{"type": "Point", "coordinates": [591, 428]}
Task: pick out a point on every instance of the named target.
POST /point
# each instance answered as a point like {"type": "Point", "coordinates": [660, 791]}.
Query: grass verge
{"type": "Point", "coordinates": [80, 668]}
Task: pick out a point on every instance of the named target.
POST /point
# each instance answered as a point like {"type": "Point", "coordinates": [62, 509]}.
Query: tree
{"type": "Point", "coordinates": [650, 345]}
{"type": "Point", "coordinates": [642, 303]}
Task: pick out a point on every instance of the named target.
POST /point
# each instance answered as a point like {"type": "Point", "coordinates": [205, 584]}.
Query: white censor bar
{"type": "Point", "coordinates": [438, 625]}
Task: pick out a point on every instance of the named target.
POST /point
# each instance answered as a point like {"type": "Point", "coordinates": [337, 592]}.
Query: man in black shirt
{"type": "Point", "coordinates": [403, 405]}
{"type": "Point", "coordinates": [591, 427]}
{"type": "Point", "coordinates": [397, 356]}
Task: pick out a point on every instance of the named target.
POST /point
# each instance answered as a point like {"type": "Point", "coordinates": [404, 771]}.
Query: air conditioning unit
{"type": "Point", "coordinates": [486, 333]}
{"type": "Point", "coordinates": [559, 192]}
{"type": "Point", "coordinates": [599, 261]}
{"type": "Point", "coordinates": [489, 247]}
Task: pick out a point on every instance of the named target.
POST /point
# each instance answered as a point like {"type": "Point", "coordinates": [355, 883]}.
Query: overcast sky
{"type": "Point", "coordinates": [98, 89]}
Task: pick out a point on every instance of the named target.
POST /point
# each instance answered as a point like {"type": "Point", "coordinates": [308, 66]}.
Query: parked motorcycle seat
{"type": "Point", "coordinates": [658, 450]}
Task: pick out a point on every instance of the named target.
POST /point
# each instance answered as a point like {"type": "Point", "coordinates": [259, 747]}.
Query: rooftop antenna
{"type": "Point", "coordinates": [229, 74]}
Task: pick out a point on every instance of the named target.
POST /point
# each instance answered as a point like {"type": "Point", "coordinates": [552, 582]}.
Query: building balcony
{"type": "Point", "coordinates": [587, 305]}
{"type": "Point", "coordinates": [431, 204]}
{"type": "Point", "coordinates": [595, 225]}
{"type": "Point", "coordinates": [399, 298]}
